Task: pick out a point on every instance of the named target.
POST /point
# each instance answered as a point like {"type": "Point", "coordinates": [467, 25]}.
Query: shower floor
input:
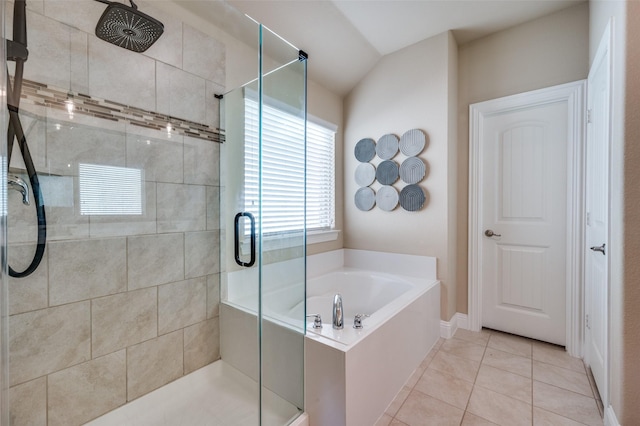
{"type": "Point", "coordinates": [215, 395]}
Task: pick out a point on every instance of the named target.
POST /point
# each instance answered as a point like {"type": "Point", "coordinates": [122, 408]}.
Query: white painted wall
{"type": "Point", "coordinates": [405, 90]}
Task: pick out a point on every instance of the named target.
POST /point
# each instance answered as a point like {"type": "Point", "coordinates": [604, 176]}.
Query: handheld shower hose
{"type": "Point", "coordinates": [17, 51]}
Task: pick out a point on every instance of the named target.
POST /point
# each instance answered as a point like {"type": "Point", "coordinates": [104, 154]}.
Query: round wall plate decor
{"type": "Point", "coordinates": [387, 198]}
{"type": "Point", "coordinates": [412, 170]}
{"type": "Point", "coordinates": [412, 198]}
{"type": "Point", "coordinates": [387, 147]}
{"type": "Point", "coordinates": [365, 198]}
{"type": "Point", "coordinates": [365, 174]}
{"type": "Point", "coordinates": [412, 142]}
{"type": "Point", "coordinates": [387, 172]}
{"type": "Point", "coordinates": [365, 150]}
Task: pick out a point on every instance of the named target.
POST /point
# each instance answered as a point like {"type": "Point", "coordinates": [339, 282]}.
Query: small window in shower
{"type": "Point", "coordinates": [109, 190]}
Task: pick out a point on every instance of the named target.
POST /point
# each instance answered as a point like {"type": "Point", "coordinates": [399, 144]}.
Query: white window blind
{"type": "Point", "coordinates": [110, 190]}
{"type": "Point", "coordinates": [283, 162]}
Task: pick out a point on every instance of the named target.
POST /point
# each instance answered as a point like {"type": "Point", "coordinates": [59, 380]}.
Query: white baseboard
{"type": "Point", "coordinates": [610, 418]}
{"type": "Point", "coordinates": [448, 328]}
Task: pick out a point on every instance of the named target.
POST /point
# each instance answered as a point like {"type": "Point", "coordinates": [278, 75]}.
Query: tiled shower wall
{"type": "Point", "coordinates": [121, 304]}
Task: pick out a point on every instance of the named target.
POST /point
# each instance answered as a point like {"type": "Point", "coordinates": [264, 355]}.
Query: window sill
{"type": "Point", "coordinates": [280, 242]}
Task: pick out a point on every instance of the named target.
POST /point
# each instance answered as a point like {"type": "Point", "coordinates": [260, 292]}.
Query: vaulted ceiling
{"type": "Point", "coordinates": [345, 38]}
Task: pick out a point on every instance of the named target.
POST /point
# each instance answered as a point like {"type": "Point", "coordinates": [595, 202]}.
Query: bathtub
{"type": "Point", "coordinates": [351, 376]}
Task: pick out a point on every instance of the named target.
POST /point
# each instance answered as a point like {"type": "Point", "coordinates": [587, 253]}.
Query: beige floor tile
{"type": "Point", "coordinates": [546, 418]}
{"type": "Point", "coordinates": [500, 409]}
{"type": "Point", "coordinates": [445, 387]}
{"type": "Point", "coordinates": [563, 378]}
{"type": "Point", "coordinates": [463, 349]}
{"type": "Point", "coordinates": [566, 403]}
{"type": "Point", "coordinates": [473, 420]}
{"type": "Point", "coordinates": [556, 355]}
{"type": "Point", "coordinates": [508, 362]}
{"type": "Point", "coordinates": [437, 345]}
{"type": "Point", "coordinates": [413, 379]}
{"type": "Point", "coordinates": [509, 343]}
{"type": "Point", "coordinates": [396, 422]}
{"type": "Point", "coordinates": [420, 409]}
{"type": "Point", "coordinates": [456, 366]}
{"type": "Point", "coordinates": [397, 402]}
{"type": "Point", "coordinates": [478, 337]}
{"type": "Point", "coordinates": [505, 383]}
{"type": "Point", "coordinates": [427, 360]}
{"type": "Point", "coordinates": [384, 420]}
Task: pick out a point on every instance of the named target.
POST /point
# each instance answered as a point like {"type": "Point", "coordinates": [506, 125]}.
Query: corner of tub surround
{"type": "Point", "coordinates": [322, 263]}
{"type": "Point", "coordinates": [424, 267]}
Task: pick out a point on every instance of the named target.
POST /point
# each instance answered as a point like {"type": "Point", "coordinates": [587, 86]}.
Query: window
{"type": "Point", "coordinates": [109, 190]}
{"type": "Point", "coordinates": [283, 170]}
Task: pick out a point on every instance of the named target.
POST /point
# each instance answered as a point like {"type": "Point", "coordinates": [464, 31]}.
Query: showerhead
{"type": "Point", "coordinates": [127, 27]}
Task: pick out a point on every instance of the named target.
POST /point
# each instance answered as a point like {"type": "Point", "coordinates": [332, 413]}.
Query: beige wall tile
{"type": "Point", "coordinates": [180, 94]}
{"type": "Point", "coordinates": [154, 260]}
{"type": "Point", "coordinates": [107, 61]}
{"type": "Point", "coordinates": [123, 320]}
{"type": "Point", "coordinates": [159, 158]}
{"type": "Point", "coordinates": [203, 55]}
{"type": "Point", "coordinates": [181, 208]}
{"type": "Point", "coordinates": [28, 293]}
{"type": "Point", "coordinates": [86, 269]}
{"type": "Point", "coordinates": [28, 403]}
{"type": "Point", "coordinates": [201, 344]}
{"type": "Point", "coordinates": [168, 48]}
{"type": "Point", "coordinates": [154, 363]}
{"type": "Point", "coordinates": [201, 162]}
{"type": "Point", "coordinates": [48, 340]}
{"type": "Point", "coordinates": [201, 253]}
{"type": "Point", "coordinates": [124, 225]}
{"type": "Point", "coordinates": [181, 304]}
{"type": "Point", "coordinates": [88, 390]}
{"type": "Point", "coordinates": [213, 295]}
{"type": "Point", "coordinates": [79, 45]}
{"type": "Point", "coordinates": [213, 103]}
{"type": "Point", "coordinates": [213, 207]}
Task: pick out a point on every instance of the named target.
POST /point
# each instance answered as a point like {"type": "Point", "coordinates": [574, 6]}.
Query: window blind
{"type": "Point", "coordinates": [283, 167]}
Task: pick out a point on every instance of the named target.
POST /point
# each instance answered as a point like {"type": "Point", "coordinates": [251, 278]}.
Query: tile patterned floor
{"type": "Point", "coordinates": [494, 378]}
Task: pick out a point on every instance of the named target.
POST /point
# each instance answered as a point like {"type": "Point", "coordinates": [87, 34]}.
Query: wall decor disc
{"type": "Point", "coordinates": [387, 147]}
{"type": "Point", "coordinates": [365, 198]}
{"type": "Point", "coordinates": [412, 198]}
{"type": "Point", "coordinates": [365, 150]}
{"type": "Point", "coordinates": [387, 198]}
{"type": "Point", "coordinates": [412, 142]}
{"type": "Point", "coordinates": [412, 170]}
{"type": "Point", "coordinates": [365, 174]}
{"type": "Point", "coordinates": [387, 172]}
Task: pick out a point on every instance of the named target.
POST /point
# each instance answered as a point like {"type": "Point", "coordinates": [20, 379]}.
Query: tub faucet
{"type": "Point", "coordinates": [14, 182]}
{"type": "Point", "coordinates": [338, 314]}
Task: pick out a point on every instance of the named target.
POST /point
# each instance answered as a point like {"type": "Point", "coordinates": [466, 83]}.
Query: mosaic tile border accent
{"type": "Point", "coordinates": [42, 95]}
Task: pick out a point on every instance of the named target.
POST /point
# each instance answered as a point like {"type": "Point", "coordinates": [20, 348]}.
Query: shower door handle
{"type": "Point", "coordinates": [252, 258]}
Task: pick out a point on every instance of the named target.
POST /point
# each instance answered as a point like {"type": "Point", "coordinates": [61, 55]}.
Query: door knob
{"type": "Point", "coordinates": [599, 248]}
{"type": "Point", "coordinates": [490, 233]}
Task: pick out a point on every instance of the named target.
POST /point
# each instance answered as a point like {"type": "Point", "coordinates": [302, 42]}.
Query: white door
{"type": "Point", "coordinates": [524, 205]}
{"type": "Point", "coordinates": [597, 209]}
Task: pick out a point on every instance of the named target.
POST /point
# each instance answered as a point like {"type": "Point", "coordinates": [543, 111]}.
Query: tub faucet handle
{"type": "Point", "coordinates": [317, 320]}
{"type": "Point", "coordinates": [357, 320]}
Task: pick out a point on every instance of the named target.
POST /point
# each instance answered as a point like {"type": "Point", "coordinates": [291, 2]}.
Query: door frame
{"type": "Point", "coordinates": [574, 94]}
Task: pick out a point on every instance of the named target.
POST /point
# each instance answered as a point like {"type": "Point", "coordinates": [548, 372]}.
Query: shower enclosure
{"type": "Point", "coordinates": [149, 287]}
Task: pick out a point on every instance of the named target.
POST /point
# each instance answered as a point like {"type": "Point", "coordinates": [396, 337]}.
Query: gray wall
{"type": "Point", "coordinates": [121, 304]}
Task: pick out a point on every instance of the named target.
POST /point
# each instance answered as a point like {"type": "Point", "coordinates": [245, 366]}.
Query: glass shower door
{"type": "Point", "coordinates": [263, 222]}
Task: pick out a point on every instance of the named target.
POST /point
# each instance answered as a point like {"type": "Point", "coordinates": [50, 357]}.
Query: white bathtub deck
{"type": "Point", "coordinates": [216, 395]}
